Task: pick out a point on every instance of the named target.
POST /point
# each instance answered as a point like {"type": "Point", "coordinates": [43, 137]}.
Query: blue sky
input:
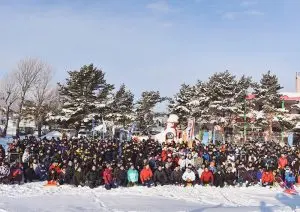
{"type": "Point", "coordinates": [154, 44]}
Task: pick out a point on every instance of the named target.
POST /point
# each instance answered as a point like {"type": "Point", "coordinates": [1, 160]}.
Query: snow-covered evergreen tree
{"type": "Point", "coordinates": [121, 108]}
{"type": "Point", "coordinates": [267, 99]}
{"type": "Point", "coordinates": [85, 95]}
{"type": "Point", "coordinates": [227, 96]}
{"type": "Point", "coordinates": [199, 102]}
{"type": "Point", "coordinates": [221, 92]}
{"type": "Point", "coordinates": [145, 106]}
{"type": "Point", "coordinates": [180, 104]}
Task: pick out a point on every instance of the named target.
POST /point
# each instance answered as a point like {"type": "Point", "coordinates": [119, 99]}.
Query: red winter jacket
{"type": "Point", "coordinates": [282, 162]}
{"type": "Point", "coordinates": [207, 177]}
{"type": "Point", "coordinates": [267, 177]}
{"type": "Point", "coordinates": [107, 176]}
{"type": "Point", "coordinates": [146, 174]}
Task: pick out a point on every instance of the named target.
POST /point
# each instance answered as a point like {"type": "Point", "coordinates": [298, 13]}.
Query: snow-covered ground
{"type": "Point", "coordinates": [36, 197]}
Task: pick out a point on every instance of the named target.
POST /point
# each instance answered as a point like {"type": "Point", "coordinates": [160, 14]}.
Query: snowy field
{"type": "Point", "coordinates": [36, 197]}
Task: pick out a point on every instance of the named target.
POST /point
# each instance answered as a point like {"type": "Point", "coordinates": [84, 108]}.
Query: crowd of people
{"type": "Point", "coordinates": [93, 163]}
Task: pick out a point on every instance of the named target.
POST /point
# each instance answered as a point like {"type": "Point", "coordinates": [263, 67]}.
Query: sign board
{"type": "Point", "coordinates": [290, 139]}
{"type": "Point", "coordinates": [205, 139]}
{"type": "Point", "coordinates": [191, 129]}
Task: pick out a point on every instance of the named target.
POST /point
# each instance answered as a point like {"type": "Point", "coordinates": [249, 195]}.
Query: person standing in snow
{"type": "Point", "coordinates": [25, 163]}
{"type": "Point", "coordinates": [108, 178]}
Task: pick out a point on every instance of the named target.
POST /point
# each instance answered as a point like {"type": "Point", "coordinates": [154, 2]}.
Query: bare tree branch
{"type": "Point", "coordinates": [9, 95]}
{"type": "Point", "coordinates": [27, 76]}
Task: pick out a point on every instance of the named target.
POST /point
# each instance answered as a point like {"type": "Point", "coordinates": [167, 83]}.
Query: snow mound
{"type": "Point", "coordinates": [36, 197]}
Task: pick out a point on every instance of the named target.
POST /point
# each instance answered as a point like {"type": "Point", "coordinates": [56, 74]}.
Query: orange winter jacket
{"type": "Point", "coordinates": [282, 162]}
{"type": "Point", "coordinates": [267, 177]}
{"type": "Point", "coordinates": [146, 174]}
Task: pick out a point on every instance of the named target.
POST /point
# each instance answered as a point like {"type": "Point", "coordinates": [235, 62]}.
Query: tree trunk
{"type": "Point", "coordinates": [6, 122]}
{"type": "Point", "coordinates": [39, 126]}
{"type": "Point", "coordinates": [270, 121]}
{"type": "Point", "coordinates": [19, 116]}
{"type": "Point", "coordinates": [18, 126]}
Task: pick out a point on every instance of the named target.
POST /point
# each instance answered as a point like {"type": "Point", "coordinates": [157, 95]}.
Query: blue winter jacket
{"type": "Point", "coordinates": [290, 178]}
{"type": "Point", "coordinates": [133, 175]}
{"type": "Point", "coordinates": [259, 175]}
{"type": "Point", "coordinates": [206, 156]}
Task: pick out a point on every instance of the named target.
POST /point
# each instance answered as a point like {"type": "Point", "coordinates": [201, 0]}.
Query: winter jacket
{"type": "Point", "coordinates": [152, 164]}
{"type": "Point", "coordinates": [207, 177]}
{"type": "Point", "coordinates": [78, 178]}
{"type": "Point", "coordinates": [259, 175]}
{"type": "Point", "coordinates": [243, 174]}
{"type": "Point", "coordinates": [69, 174]}
{"type": "Point", "coordinates": [231, 158]}
{"type": "Point", "coordinates": [25, 157]}
{"type": "Point", "coordinates": [267, 177]}
{"type": "Point", "coordinates": [212, 169]}
{"type": "Point", "coordinates": [219, 179]}
{"type": "Point", "coordinates": [230, 177]}
{"type": "Point", "coordinates": [282, 162]}
{"type": "Point", "coordinates": [168, 172]}
{"type": "Point", "coordinates": [4, 171]}
{"type": "Point", "coordinates": [198, 161]}
{"type": "Point", "coordinates": [176, 177]}
{"type": "Point", "coordinates": [182, 163]}
{"type": "Point", "coordinates": [16, 172]}
{"type": "Point", "coordinates": [189, 176]}
{"type": "Point", "coordinates": [146, 174]}
{"type": "Point", "coordinates": [160, 176]}
{"type": "Point", "coordinates": [133, 176]}
{"type": "Point", "coordinates": [41, 172]}
{"type": "Point", "coordinates": [290, 178]}
{"type": "Point", "coordinates": [164, 155]}
{"type": "Point", "coordinates": [189, 162]}
{"type": "Point", "coordinates": [120, 175]}
{"type": "Point", "coordinates": [30, 174]}
{"type": "Point", "coordinates": [200, 171]}
{"type": "Point", "coordinates": [56, 168]}
{"type": "Point", "coordinates": [107, 176]}
{"type": "Point", "coordinates": [92, 176]}
{"type": "Point", "coordinates": [206, 157]}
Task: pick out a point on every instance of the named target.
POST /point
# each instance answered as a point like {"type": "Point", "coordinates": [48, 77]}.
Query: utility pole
{"type": "Point", "coordinates": [245, 119]}
{"type": "Point", "coordinates": [282, 127]}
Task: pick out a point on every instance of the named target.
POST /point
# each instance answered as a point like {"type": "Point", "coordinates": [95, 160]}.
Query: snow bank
{"type": "Point", "coordinates": [35, 197]}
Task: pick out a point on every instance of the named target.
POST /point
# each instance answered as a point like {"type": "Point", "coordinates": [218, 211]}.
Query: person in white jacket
{"type": "Point", "coordinates": [182, 162]}
{"type": "Point", "coordinates": [231, 157]}
{"type": "Point", "coordinates": [189, 177]}
{"type": "Point", "coordinates": [189, 160]}
{"type": "Point", "coordinates": [201, 170]}
{"type": "Point", "coordinates": [26, 156]}
{"type": "Point", "coordinates": [25, 163]}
